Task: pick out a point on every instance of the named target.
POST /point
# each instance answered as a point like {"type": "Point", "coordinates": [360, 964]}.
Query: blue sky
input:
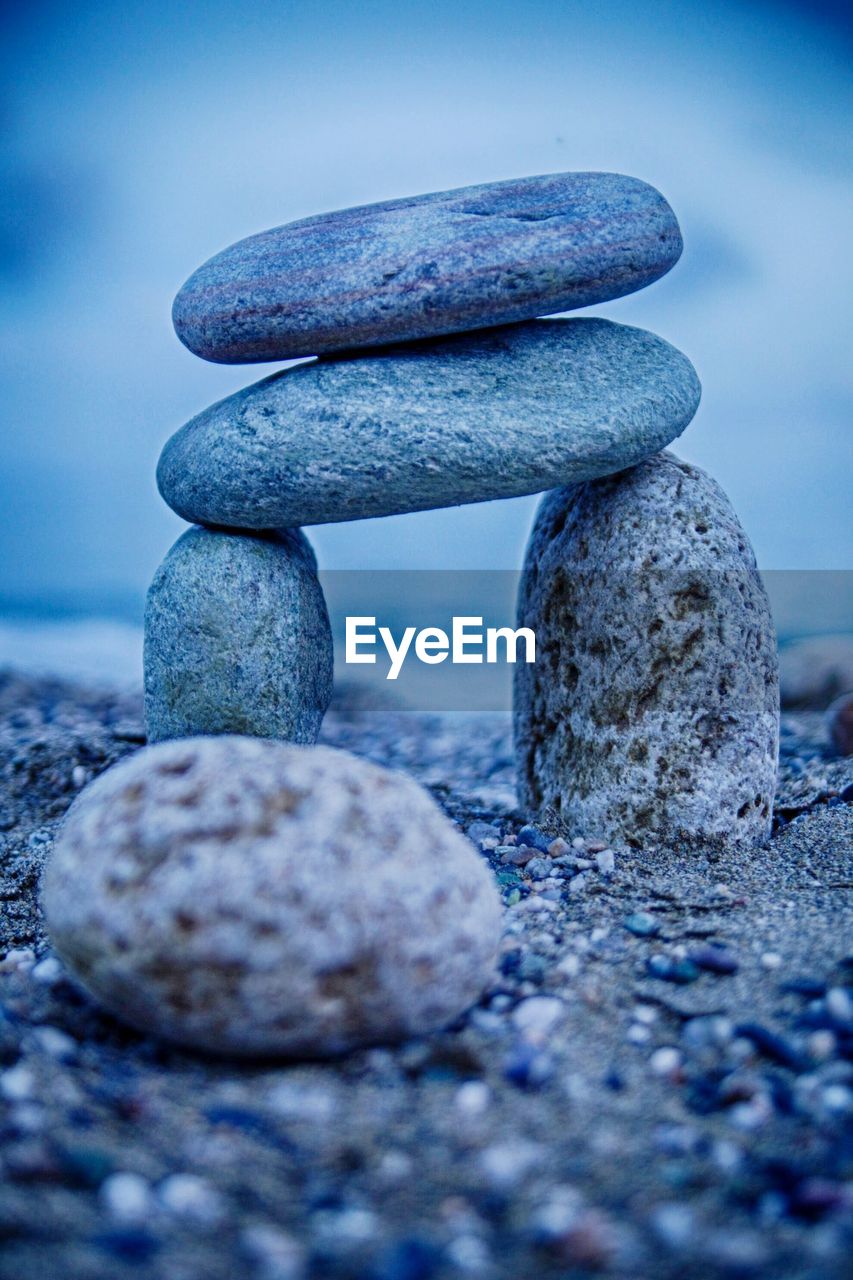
{"type": "Point", "coordinates": [138, 140]}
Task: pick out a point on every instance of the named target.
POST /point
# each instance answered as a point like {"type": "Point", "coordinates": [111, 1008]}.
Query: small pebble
{"type": "Point", "coordinates": [473, 1098]}
{"type": "Point", "coordinates": [837, 1097]}
{"type": "Point", "coordinates": [527, 1067]}
{"type": "Point", "coordinates": [669, 969]}
{"type": "Point", "coordinates": [642, 924]}
{"type": "Point", "coordinates": [17, 958]}
{"type": "Point", "coordinates": [839, 1005]}
{"type": "Point", "coordinates": [770, 960]}
{"type": "Point", "coordinates": [673, 1224]}
{"type": "Point", "coordinates": [188, 1196]}
{"type": "Point", "coordinates": [126, 1197]}
{"type": "Point", "coordinates": [605, 860]}
{"type": "Point", "coordinates": [48, 971]}
{"type": "Point", "coordinates": [714, 959]}
{"type": "Point", "coordinates": [56, 1043]}
{"type": "Point", "coordinates": [538, 1014]}
{"type": "Point", "coordinates": [276, 1254]}
{"type": "Point", "coordinates": [534, 838]}
{"type": "Point", "coordinates": [505, 1164]}
{"type": "Point", "coordinates": [17, 1084]}
{"type": "Point", "coordinates": [821, 1045]}
{"type": "Point", "coordinates": [665, 1061]}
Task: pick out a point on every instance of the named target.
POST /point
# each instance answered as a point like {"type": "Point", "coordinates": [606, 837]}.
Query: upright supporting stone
{"type": "Point", "coordinates": [237, 638]}
{"type": "Point", "coordinates": [651, 715]}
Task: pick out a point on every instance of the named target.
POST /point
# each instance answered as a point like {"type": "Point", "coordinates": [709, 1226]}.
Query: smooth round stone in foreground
{"type": "Point", "coordinates": [251, 897]}
{"type": "Point", "coordinates": [237, 638]}
{"type": "Point", "coordinates": [488, 415]}
{"type": "Point", "coordinates": [428, 265]}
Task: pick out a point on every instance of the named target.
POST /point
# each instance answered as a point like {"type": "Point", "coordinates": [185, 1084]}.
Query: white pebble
{"type": "Point", "coordinates": [79, 776]}
{"type": "Point", "coordinates": [559, 1213]}
{"type": "Point", "coordinates": [301, 1102]}
{"type": "Point", "coordinates": [48, 971]}
{"type": "Point", "coordinates": [17, 1084]}
{"type": "Point", "coordinates": [56, 1043]}
{"type": "Point", "coordinates": [188, 1196]}
{"type": "Point", "coordinates": [507, 1163]}
{"type": "Point", "coordinates": [27, 1117]}
{"type": "Point", "coordinates": [606, 862]}
{"type": "Point", "coordinates": [821, 1045]}
{"type": "Point", "coordinates": [18, 958]}
{"type": "Point", "coordinates": [751, 1115]}
{"type": "Point", "coordinates": [673, 1224]}
{"type": "Point", "coordinates": [353, 1225]}
{"type": "Point", "coordinates": [278, 1256]}
{"type": "Point", "coordinates": [837, 1097]}
{"type": "Point", "coordinates": [665, 1060]}
{"type": "Point", "coordinates": [839, 1005]}
{"type": "Point", "coordinates": [126, 1197]}
{"type": "Point", "coordinates": [472, 1098]}
{"type": "Point", "coordinates": [570, 965]}
{"type": "Point", "coordinates": [577, 884]}
{"type": "Point", "coordinates": [395, 1165]}
{"type": "Point", "coordinates": [538, 1014]}
{"type": "Point", "coordinates": [645, 1013]}
{"type": "Point", "coordinates": [529, 906]}
{"type": "Point", "coordinates": [638, 1034]}
{"type": "Point", "coordinates": [771, 960]}
{"type": "Point", "coordinates": [468, 1253]}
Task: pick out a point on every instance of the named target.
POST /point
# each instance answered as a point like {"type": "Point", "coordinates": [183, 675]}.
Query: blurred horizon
{"type": "Point", "coordinates": [138, 141]}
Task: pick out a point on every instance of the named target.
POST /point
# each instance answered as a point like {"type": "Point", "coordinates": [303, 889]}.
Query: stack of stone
{"type": "Point", "coordinates": [652, 709]}
{"type": "Point", "coordinates": [224, 889]}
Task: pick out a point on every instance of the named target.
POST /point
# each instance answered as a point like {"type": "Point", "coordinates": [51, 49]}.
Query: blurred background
{"type": "Point", "coordinates": [137, 140]}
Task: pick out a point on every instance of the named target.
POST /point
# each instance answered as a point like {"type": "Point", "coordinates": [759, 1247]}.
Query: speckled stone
{"type": "Point", "coordinates": [253, 897]}
{"type": "Point", "coordinates": [488, 415]}
{"type": "Point", "coordinates": [428, 265]}
{"type": "Point", "coordinates": [652, 712]}
{"type": "Point", "coordinates": [237, 638]}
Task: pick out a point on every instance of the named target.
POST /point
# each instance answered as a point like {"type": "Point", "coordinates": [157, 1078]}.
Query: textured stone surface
{"type": "Point", "coordinates": [237, 638]}
{"type": "Point", "coordinates": [428, 265]}
{"type": "Point", "coordinates": [652, 712]}
{"type": "Point", "coordinates": [816, 670]}
{"type": "Point", "coordinates": [254, 897]}
{"type": "Point", "coordinates": [488, 415]}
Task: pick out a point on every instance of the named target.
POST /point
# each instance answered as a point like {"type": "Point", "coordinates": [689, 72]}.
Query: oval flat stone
{"type": "Point", "coordinates": [408, 428]}
{"type": "Point", "coordinates": [428, 265]}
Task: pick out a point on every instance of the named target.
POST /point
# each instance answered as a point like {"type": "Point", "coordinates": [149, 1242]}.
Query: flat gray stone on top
{"type": "Point", "coordinates": [237, 638]}
{"type": "Point", "coordinates": [428, 265]}
{"type": "Point", "coordinates": [488, 415]}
